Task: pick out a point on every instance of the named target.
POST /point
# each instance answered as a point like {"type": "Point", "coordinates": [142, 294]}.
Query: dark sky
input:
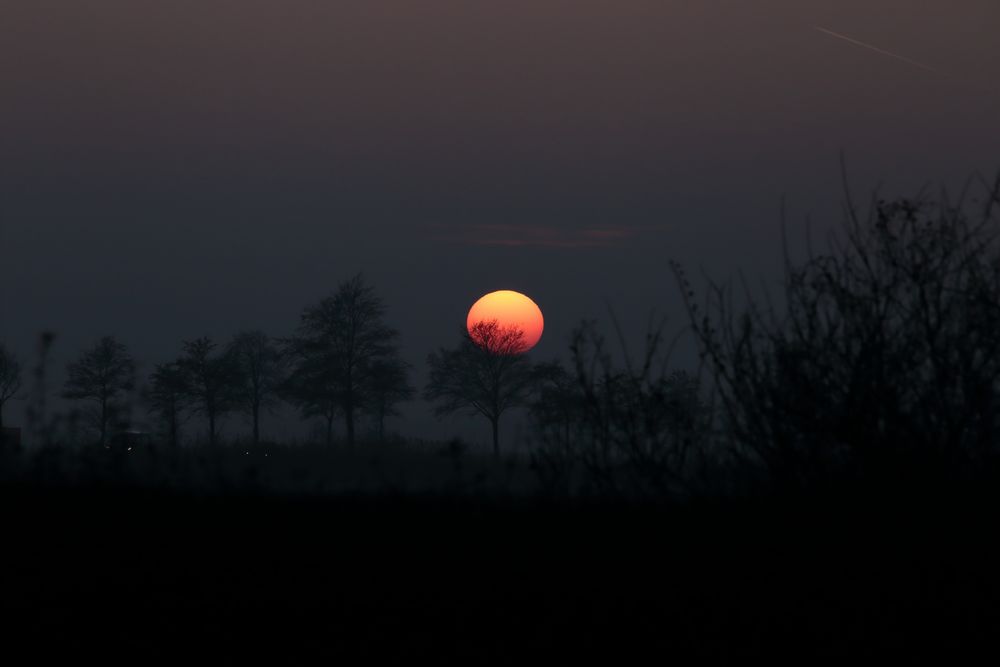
{"type": "Point", "coordinates": [176, 168]}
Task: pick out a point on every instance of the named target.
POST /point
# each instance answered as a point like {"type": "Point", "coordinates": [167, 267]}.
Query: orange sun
{"type": "Point", "coordinates": [509, 309]}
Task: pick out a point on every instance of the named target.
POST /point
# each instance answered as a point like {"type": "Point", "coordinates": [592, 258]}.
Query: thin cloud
{"type": "Point", "coordinates": [516, 236]}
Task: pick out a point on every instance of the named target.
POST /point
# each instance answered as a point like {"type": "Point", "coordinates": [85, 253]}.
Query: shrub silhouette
{"type": "Point", "coordinates": [10, 378]}
{"type": "Point", "coordinates": [883, 360]}
{"type": "Point", "coordinates": [631, 429]}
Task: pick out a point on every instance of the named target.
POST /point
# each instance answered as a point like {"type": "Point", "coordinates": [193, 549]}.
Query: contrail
{"type": "Point", "coordinates": [882, 51]}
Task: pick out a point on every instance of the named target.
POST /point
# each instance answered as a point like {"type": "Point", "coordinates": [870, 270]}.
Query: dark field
{"type": "Point", "coordinates": [111, 571]}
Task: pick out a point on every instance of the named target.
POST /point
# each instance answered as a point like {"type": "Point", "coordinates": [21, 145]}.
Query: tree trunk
{"type": "Point", "coordinates": [211, 428]}
{"type": "Point", "coordinates": [173, 431]}
{"type": "Point", "coordinates": [349, 422]}
{"type": "Point", "coordinates": [1, 415]}
{"type": "Point", "coordinates": [496, 436]}
{"type": "Point", "coordinates": [329, 429]}
{"type": "Point", "coordinates": [256, 424]}
{"type": "Point", "coordinates": [104, 422]}
{"type": "Point", "coordinates": [349, 406]}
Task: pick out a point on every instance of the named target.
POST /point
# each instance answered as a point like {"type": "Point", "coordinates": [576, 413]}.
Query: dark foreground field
{"type": "Point", "coordinates": [118, 573]}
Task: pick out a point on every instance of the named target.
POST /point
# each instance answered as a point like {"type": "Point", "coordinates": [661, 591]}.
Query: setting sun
{"type": "Point", "coordinates": [509, 308]}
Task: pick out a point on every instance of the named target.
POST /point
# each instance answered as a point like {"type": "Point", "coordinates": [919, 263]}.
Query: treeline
{"type": "Point", "coordinates": [879, 361]}
{"type": "Point", "coordinates": [341, 362]}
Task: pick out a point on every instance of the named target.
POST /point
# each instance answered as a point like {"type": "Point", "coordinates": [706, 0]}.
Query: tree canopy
{"type": "Point", "coordinates": [337, 351]}
{"type": "Point", "coordinates": [102, 375]}
{"type": "Point", "coordinates": [486, 374]}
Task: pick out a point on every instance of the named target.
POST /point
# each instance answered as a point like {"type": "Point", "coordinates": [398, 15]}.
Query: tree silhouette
{"type": "Point", "coordinates": [168, 395]}
{"type": "Point", "coordinates": [259, 366]}
{"type": "Point", "coordinates": [313, 388]}
{"type": "Point", "coordinates": [210, 380]}
{"type": "Point", "coordinates": [338, 344]}
{"type": "Point", "coordinates": [101, 375]}
{"type": "Point", "coordinates": [487, 374]}
{"type": "Point", "coordinates": [389, 386]}
{"type": "Point", "coordinates": [10, 378]}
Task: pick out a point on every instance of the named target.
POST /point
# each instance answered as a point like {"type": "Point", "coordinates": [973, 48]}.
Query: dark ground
{"type": "Point", "coordinates": [124, 573]}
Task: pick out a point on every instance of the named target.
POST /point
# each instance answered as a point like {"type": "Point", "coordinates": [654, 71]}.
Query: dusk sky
{"type": "Point", "coordinates": [172, 169]}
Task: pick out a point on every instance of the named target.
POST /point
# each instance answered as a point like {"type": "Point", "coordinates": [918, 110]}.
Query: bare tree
{"type": "Point", "coordinates": [338, 343]}
{"type": "Point", "coordinates": [314, 389]}
{"type": "Point", "coordinates": [10, 378]}
{"type": "Point", "coordinates": [37, 421]}
{"type": "Point", "coordinates": [388, 387]}
{"type": "Point", "coordinates": [210, 382]}
{"type": "Point", "coordinates": [168, 396]}
{"type": "Point", "coordinates": [102, 375]}
{"type": "Point", "coordinates": [259, 367]}
{"type": "Point", "coordinates": [487, 374]}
